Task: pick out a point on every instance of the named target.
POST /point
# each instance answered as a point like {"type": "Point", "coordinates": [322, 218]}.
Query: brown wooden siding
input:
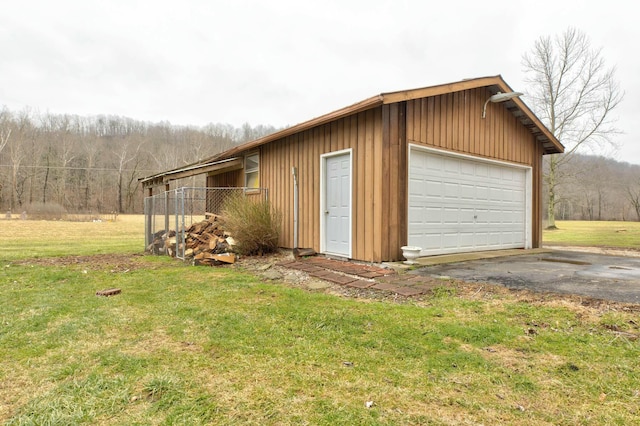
{"type": "Point", "coordinates": [379, 140]}
{"type": "Point", "coordinates": [224, 180]}
{"type": "Point", "coordinates": [394, 181]}
{"type": "Point", "coordinates": [362, 133]}
{"type": "Point", "coordinates": [453, 122]}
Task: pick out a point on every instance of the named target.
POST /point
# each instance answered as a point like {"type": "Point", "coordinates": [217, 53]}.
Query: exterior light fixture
{"type": "Point", "coordinates": [499, 97]}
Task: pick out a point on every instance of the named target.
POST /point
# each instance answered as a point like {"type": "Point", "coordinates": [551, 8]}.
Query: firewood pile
{"type": "Point", "coordinates": [206, 243]}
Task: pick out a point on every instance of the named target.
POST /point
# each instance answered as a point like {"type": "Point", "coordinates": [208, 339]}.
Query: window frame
{"type": "Point", "coordinates": [252, 171]}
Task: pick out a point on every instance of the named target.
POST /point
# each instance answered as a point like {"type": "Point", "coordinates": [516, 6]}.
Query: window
{"type": "Point", "coordinates": [252, 171]}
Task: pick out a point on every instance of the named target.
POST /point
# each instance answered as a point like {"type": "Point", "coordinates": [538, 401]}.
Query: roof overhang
{"type": "Point", "coordinates": [211, 168]}
{"type": "Point", "coordinates": [228, 160]}
{"type": "Point", "coordinates": [318, 121]}
{"type": "Point", "coordinates": [495, 84]}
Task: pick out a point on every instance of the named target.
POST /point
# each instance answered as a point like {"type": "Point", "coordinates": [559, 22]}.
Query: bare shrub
{"type": "Point", "coordinates": [45, 211]}
{"type": "Point", "coordinates": [253, 223]}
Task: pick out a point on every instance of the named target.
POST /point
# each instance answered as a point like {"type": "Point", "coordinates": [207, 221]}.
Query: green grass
{"type": "Point", "coordinates": [595, 234]}
{"type": "Point", "coordinates": [198, 345]}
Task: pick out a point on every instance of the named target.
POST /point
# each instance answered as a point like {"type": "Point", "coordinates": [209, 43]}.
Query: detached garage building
{"type": "Point", "coordinates": [419, 167]}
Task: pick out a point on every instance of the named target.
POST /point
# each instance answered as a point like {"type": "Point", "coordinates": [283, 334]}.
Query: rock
{"type": "Point", "coordinates": [317, 285]}
{"type": "Point", "coordinates": [271, 275]}
{"type": "Point", "coordinates": [265, 267]}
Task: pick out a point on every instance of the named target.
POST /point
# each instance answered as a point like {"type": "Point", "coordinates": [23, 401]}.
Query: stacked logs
{"type": "Point", "coordinates": [206, 243]}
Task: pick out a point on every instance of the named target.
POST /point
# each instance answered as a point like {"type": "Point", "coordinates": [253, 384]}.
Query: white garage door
{"type": "Point", "coordinates": [459, 204]}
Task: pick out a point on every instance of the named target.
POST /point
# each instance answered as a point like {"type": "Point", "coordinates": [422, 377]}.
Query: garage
{"type": "Point", "coordinates": [424, 168]}
{"type": "Point", "coordinates": [459, 203]}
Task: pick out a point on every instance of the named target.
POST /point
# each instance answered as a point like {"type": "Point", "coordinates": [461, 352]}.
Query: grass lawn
{"type": "Point", "coordinates": [594, 234]}
{"type": "Point", "coordinates": [41, 238]}
{"type": "Point", "coordinates": [199, 345]}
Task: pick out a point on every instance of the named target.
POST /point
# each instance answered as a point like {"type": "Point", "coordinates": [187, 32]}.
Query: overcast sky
{"type": "Point", "coordinates": [193, 62]}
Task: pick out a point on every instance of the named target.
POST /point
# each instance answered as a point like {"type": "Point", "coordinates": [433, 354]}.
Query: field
{"type": "Point", "coordinates": [199, 345]}
{"type": "Point", "coordinates": [601, 234]}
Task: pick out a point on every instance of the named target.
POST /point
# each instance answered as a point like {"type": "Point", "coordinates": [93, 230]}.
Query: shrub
{"type": "Point", "coordinates": [46, 211]}
{"type": "Point", "coordinates": [252, 223]}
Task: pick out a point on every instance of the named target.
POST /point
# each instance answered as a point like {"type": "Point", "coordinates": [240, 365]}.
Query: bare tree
{"type": "Point", "coordinates": [5, 127]}
{"type": "Point", "coordinates": [126, 152]}
{"type": "Point", "coordinates": [633, 195]}
{"type": "Point", "coordinates": [92, 164]}
{"type": "Point", "coordinates": [574, 93]}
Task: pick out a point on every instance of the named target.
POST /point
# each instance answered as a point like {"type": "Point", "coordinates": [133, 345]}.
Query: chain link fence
{"type": "Point", "coordinates": [168, 215]}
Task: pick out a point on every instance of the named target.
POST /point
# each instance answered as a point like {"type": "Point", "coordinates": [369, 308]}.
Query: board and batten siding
{"type": "Point", "coordinates": [454, 122]}
{"type": "Point", "coordinates": [379, 139]}
{"type": "Point", "coordinates": [371, 203]}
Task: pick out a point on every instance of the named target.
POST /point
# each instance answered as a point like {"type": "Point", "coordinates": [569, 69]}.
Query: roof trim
{"type": "Point", "coordinates": [441, 89]}
{"type": "Point", "coordinates": [550, 143]}
{"type": "Point", "coordinates": [225, 165]}
{"type": "Point", "coordinates": [364, 105]}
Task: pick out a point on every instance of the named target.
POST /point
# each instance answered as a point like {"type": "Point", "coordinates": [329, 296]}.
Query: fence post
{"type": "Point", "coordinates": [166, 211]}
{"type": "Point", "coordinates": [148, 213]}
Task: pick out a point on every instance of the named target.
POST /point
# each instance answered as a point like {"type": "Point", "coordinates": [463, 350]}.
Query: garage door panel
{"type": "Point", "coordinates": [460, 204]}
{"type": "Point", "coordinates": [467, 191]}
{"type": "Point", "coordinates": [450, 240]}
{"type": "Point", "coordinates": [466, 240]}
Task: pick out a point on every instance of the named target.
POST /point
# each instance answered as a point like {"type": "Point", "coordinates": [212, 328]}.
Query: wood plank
{"type": "Point", "coordinates": [388, 169]}
{"type": "Point", "coordinates": [292, 161]}
{"type": "Point", "coordinates": [410, 118]}
{"type": "Point", "coordinates": [315, 200]}
{"type": "Point", "coordinates": [368, 188]}
{"type": "Point", "coordinates": [478, 124]}
{"type": "Point", "coordinates": [224, 257]}
{"type": "Point", "coordinates": [416, 125]}
{"type": "Point", "coordinates": [431, 138]}
{"type": "Point", "coordinates": [483, 134]}
{"type": "Point", "coordinates": [358, 139]}
{"type": "Point", "coordinates": [506, 132]}
{"type": "Point", "coordinates": [437, 122]}
{"type": "Point", "coordinates": [333, 143]}
{"type": "Point", "coordinates": [494, 142]}
{"type": "Point", "coordinates": [402, 187]}
{"type": "Point", "coordinates": [376, 184]}
{"type": "Point", "coordinates": [455, 122]}
{"type": "Point", "coordinates": [424, 137]}
{"type": "Point", "coordinates": [310, 176]}
{"type": "Point", "coordinates": [501, 132]}
{"type": "Point", "coordinates": [466, 122]}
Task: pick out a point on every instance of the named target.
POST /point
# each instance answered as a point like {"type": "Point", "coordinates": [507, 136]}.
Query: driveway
{"type": "Point", "coordinates": [560, 271]}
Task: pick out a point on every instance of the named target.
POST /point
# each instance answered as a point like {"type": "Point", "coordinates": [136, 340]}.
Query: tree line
{"type": "Point", "coordinates": [70, 163]}
{"type": "Point", "coordinates": [593, 187]}
{"type": "Point", "coordinates": [92, 164]}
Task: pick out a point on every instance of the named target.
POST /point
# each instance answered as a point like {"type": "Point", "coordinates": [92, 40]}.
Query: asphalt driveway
{"type": "Point", "coordinates": [594, 275]}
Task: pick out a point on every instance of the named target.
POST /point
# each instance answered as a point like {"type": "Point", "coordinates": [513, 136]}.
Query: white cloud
{"type": "Point", "coordinates": [281, 62]}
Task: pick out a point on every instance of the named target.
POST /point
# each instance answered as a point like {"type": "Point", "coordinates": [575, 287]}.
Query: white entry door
{"type": "Point", "coordinates": [461, 204]}
{"type": "Point", "coordinates": [336, 203]}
